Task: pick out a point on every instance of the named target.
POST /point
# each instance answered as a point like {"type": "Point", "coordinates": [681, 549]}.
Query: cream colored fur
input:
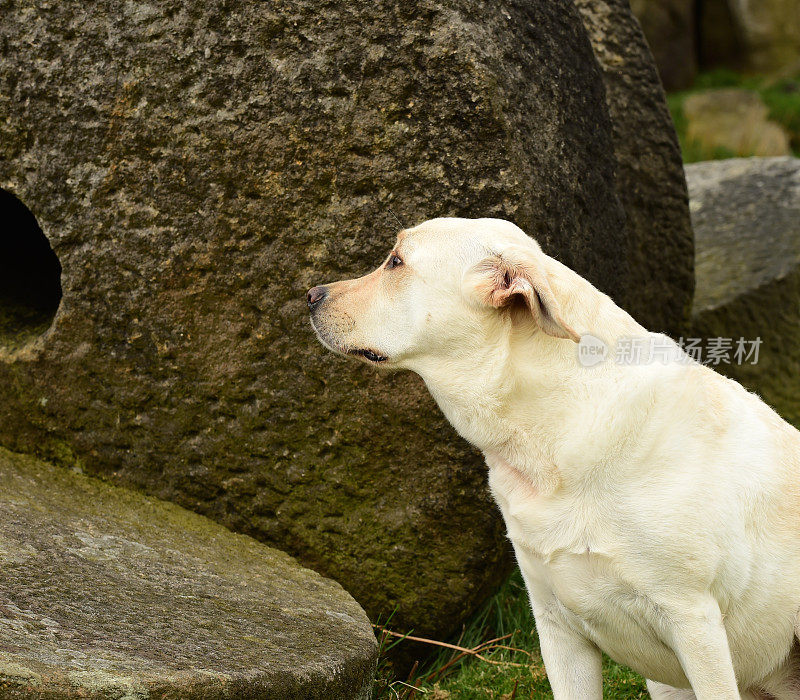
{"type": "Point", "coordinates": [654, 509]}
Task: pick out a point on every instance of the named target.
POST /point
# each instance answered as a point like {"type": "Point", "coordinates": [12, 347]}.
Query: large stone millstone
{"type": "Point", "coordinates": [105, 593]}
{"type": "Point", "coordinates": [650, 180]}
{"type": "Point", "coordinates": [746, 215]}
{"type": "Point", "coordinates": [198, 166]}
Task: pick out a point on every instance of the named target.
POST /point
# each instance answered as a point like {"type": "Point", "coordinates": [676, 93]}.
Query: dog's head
{"type": "Point", "coordinates": [446, 286]}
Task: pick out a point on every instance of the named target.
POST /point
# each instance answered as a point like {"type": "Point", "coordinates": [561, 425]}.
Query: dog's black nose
{"type": "Point", "coordinates": [315, 296]}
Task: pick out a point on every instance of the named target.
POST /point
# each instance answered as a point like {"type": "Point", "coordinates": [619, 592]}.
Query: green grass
{"type": "Point", "coordinates": [517, 672]}
{"type": "Point", "coordinates": [780, 95]}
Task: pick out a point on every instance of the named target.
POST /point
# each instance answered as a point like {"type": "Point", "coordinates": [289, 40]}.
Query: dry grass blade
{"type": "Point", "coordinates": [514, 649]}
{"type": "Point", "coordinates": [493, 642]}
{"type": "Point", "coordinates": [436, 642]}
{"type": "Point", "coordinates": [409, 680]}
{"type": "Point", "coordinates": [411, 689]}
{"type": "Point", "coordinates": [487, 646]}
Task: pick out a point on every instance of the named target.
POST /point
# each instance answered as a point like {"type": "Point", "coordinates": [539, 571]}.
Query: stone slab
{"type": "Point", "coordinates": [746, 216]}
{"type": "Point", "coordinates": [105, 593]}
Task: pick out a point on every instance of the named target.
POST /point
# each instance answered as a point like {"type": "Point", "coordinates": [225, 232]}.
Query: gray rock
{"type": "Point", "coordinates": [198, 166]}
{"type": "Point", "coordinates": [650, 180]}
{"type": "Point", "coordinates": [105, 593]}
{"type": "Point", "coordinates": [746, 217]}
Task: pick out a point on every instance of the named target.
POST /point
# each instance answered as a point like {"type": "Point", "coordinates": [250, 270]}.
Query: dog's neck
{"type": "Point", "coordinates": [522, 397]}
{"type": "Point", "coordinates": [504, 405]}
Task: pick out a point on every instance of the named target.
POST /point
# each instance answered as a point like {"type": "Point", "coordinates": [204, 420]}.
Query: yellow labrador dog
{"type": "Point", "coordinates": [654, 507]}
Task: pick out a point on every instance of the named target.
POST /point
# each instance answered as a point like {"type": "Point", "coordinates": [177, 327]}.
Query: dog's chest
{"type": "Point", "coordinates": [590, 597]}
{"type": "Point", "coordinates": [571, 554]}
{"type": "Point", "coordinates": [545, 526]}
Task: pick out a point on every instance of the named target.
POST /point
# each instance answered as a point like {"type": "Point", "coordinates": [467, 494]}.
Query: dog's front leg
{"type": "Point", "coordinates": [572, 662]}
{"type": "Point", "coordinates": [697, 636]}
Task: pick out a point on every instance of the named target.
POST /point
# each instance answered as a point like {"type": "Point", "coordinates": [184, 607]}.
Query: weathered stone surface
{"type": "Point", "coordinates": [669, 26]}
{"type": "Point", "coordinates": [650, 178]}
{"type": "Point", "coordinates": [197, 167]}
{"type": "Point", "coordinates": [746, 216]}
{"type": "Point", "coordinates": [105, 593]}
{"type": "Point", "coordinates": [735, 121]}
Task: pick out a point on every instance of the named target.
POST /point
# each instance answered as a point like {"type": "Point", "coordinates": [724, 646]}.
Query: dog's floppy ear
{"type": "Point", "coordinates": [516, 276]}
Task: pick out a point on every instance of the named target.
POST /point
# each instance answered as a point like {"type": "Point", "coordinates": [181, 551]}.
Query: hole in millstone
{"type": "Point", "coordinates": [30, 276]}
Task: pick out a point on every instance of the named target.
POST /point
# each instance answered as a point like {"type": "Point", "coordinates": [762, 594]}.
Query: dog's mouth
{"type": "Point", "coordinates": [368, 355]}
{"type": "Point", "coordinates": [333, 345]}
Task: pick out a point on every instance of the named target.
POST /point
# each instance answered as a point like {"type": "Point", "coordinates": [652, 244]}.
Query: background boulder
{"type": "Point", "coordinates": [746, 216]}
{"type": "Point", "coordinates": [197, 167]}
{"type": "Point", "coordinates": [733, 122]}
{"type": "Point", "coordinates": [650, 179]}
{"type": "Point", "coordinates": [740, 34]}
{"type": "Point", "coordinates": [755, 36]}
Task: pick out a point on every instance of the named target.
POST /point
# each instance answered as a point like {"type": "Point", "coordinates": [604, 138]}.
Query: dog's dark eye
{"type": "Point", "coordinates": [394, 261]}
